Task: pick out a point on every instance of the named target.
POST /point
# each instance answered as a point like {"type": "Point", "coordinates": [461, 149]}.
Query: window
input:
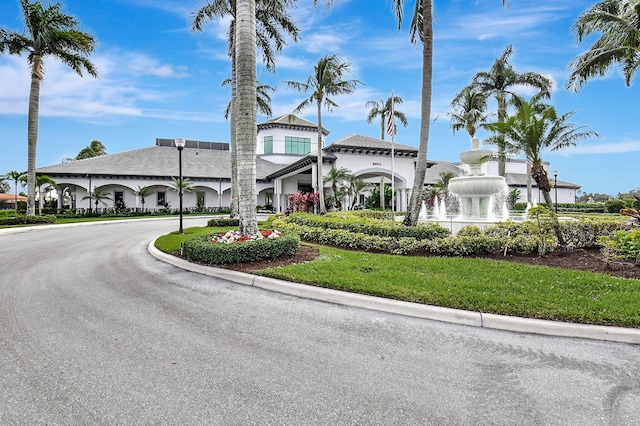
{"type": "Point", "coordinates": [268, 144]}
{"type": "Point", "coordinates": [118, 197]}
{"type": "Point", "coordinates": [162, 199]}
{"type": "Point", "coordinates": [296, 145]}
{"type": "Point", "coordinates": [200, 200]}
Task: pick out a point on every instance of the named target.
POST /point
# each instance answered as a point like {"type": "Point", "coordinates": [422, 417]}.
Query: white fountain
{"type": "Point", "coordinates": [476, 191]}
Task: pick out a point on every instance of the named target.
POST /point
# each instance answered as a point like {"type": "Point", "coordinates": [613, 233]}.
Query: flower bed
{"type": "Point", "coordinates": [231, 247]}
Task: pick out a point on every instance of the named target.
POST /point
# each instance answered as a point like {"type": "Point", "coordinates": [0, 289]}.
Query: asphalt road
{"type": "Point", "coordinates": [93, 330]}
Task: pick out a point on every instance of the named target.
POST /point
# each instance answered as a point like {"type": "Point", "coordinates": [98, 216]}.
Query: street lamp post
{"type": "Point", "coordinates": [555, 185]}
{"type": "Point", "coordinates": [180, 143]}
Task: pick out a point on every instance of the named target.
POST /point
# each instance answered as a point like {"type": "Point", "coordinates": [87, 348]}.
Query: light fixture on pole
{"type": "Point", "coordinates": [555, 185]}
{"type": "Point", "coordinates": [180, 143]}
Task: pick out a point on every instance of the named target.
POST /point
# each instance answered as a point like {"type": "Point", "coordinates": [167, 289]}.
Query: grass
{"type": "Point", "coordinates": [473, 284]}
{"type": "Point", "coordinates": [172, 242]}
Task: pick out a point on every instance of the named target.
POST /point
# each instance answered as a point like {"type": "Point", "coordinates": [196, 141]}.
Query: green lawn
{"type": "Point", "coordinates": [473, 284]}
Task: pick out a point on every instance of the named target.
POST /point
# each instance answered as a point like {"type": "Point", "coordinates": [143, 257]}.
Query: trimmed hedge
{"type": "Point", "coordinates": [354, 223]}
{"type": "Point", "coordinates": [27, 220]}
{"type": "Point", "coordinates": [505, 237]}
{"type": "Point", "coordinates": [218, 222]}
{"type": "Point", "coordinates": [200, 249]}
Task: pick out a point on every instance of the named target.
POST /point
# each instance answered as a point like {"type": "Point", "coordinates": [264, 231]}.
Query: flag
{"type": "Point", "coordinates": [391, 125]}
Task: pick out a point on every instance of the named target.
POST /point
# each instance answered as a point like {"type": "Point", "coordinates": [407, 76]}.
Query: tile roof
{"type": "Point", "coordinates": [361, 141]}
{"type": "Point", "coordinates": [291, 120]}
{"type": "Point", "coordinates": [159, 161]}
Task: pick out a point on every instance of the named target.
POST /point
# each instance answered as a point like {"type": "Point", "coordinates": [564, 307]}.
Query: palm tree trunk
{"type": "Point", "coordinates": [321, 208]}
{"type": "Point", "coordinates": [246, 114]}
{"type": "Point", "coordinates": [413, 211]}
{"type": "Point", "coordinates": [233, 135]}
{"type": "Point", "coordinates": [381, 125]}
{"type": "Point", "coordinates": [32, 138]}
{"type": "Point", "coordinates": [502, 157]}
{"type": "Point", "coordinates": [539, 174]}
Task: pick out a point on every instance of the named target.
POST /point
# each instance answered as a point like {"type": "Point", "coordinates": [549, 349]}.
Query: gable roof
{"type": "Point", "coordinates": [159, 161]}
{"type": "Point", "coordinates": [291, 121]}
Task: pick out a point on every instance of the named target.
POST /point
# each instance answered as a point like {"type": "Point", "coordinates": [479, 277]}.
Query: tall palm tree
{"type": "Point", "coordinates": [16, 177]}
{"type": "Point", "coordinates": [95, 149]}
{"type": "Point", "coordinates": [500, 81]}
{"type": "Point", "coordinates": [421, 28]}
{"type": "Point", "coordinates": [535, 128]}
{"type": "Point", "coordinates": [272, 21]}
{"type": "Point", "coordinates": [470, 111]}
{"type": "Point", "coordinates": [382, 109]}
{"type": "Point", "coordinates": [618, 22]}
{"type": "Point", "coordinates": [48, 32]}
{"type": "Point", "coordinates": [143, 192]}
{"type": "Point", "coordinates": [46, 182]}
{"type": "Point", "coordinates": [328, 79]}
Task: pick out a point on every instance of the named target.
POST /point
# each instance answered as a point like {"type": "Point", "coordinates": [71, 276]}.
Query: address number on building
{"type": "Point", "coordinates": [377, 164]}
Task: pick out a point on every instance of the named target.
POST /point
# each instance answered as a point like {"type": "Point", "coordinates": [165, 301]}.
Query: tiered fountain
{"type": "Point", "coordinates": [476, 191]}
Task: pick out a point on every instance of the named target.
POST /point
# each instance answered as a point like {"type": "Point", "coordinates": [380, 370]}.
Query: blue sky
{"type": "Point", "coordinates": [157, 79]}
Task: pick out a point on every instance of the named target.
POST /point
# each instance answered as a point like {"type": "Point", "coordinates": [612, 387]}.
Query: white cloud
{"type": "Point", "coordinates": [609, 148]}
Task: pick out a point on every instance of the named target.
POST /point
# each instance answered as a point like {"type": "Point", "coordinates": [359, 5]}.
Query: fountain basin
{"type": "Point", "coordinates": [477, 186]}
{"type": "Point", "coordinates": [476, 156]}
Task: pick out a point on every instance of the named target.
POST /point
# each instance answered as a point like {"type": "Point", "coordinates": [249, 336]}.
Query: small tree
{"type": "Point", "coordinates": [16, 177]}
{"type": "Point", "coordinates": [143, 192]}
{"type": "Point", "coordinates": [99, 196]}
{"type": "Point", "coordinates": [43, 182]}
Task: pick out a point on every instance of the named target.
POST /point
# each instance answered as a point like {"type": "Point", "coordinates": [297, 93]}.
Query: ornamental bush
{"type": "Point", "coordinates": [622, 245]}
{"type": "Point", "coordinates": [27, 220]}
{"type": "Point", "coordinates": [201, 249]}
{"type": "Point", "coordinates": [222, 222]}
{"type": "Point", "coordinates": [355, 223]}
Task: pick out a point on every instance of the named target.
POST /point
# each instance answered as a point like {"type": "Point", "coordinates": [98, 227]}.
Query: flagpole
{"type": "Point", "coordinates": [393, 178]}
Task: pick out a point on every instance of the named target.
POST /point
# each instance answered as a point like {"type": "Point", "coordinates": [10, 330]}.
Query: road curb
{"type": "Point", "coordinates": [436, 313]}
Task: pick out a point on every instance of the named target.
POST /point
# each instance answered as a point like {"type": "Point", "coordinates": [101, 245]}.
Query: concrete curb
{"type": "Point", "coordinates": [455, 316]}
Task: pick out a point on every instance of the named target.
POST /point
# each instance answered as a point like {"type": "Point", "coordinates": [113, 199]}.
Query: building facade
{"type": "Point", "coordinates": [285, 164]}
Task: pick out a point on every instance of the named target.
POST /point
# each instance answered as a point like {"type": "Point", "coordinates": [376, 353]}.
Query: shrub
{"type": "Point", "coordinates": [200, 249]}
{"type": "Point", "coordinates": [27, 220]}
{"type": "Point", "coordinates": [623, 244]}
{"type": "Point", "coordinates": [223, 222]}
{"type": "Point", "coordinates": [614, 206]}
{"type": "Point", "coordinates": [356, 223]}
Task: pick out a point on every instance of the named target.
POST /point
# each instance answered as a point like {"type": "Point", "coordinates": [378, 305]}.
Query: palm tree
{"type": "Point", "coordinates": [470, 111]}
{"type": "Point", "coordinates": [271, 19]}
{"type": "Point", "coordinates": [187, 185]}
{"type": "Point", "coordinates": [41, 181]}
{"type": "Point", "coordinates": [328, 79]}
{"type": "Point", "coordinates": [49, 32]}
{"type": "Point", "coordinates": [500, 81]}
{"type": "Point", "coordinates": [95, 149]}
{"type": "Point", "coordinates": [618, 22]}
{"type": "Point", "coordinates": [382, 109]}
{"type": "Point", "coordinates": [143, 192]}
{"type": "Point", "coordinates": [536, 127]}
{"type": "Point", "coordinates": [98, 196]}
{"type": "Point", "coordinates": [337, 177]}
{"type": "Point", "coordinates": [357, 185]}
{"type": "Point", "coordinates": [16, 177]}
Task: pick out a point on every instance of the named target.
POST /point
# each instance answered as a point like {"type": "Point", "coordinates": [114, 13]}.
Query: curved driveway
{"type": "Point", "coordinates": [93, 330]}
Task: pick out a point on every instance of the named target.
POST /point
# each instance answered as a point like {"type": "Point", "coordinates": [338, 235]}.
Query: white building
{"type": "Point", "coordinates": [285, 164]}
